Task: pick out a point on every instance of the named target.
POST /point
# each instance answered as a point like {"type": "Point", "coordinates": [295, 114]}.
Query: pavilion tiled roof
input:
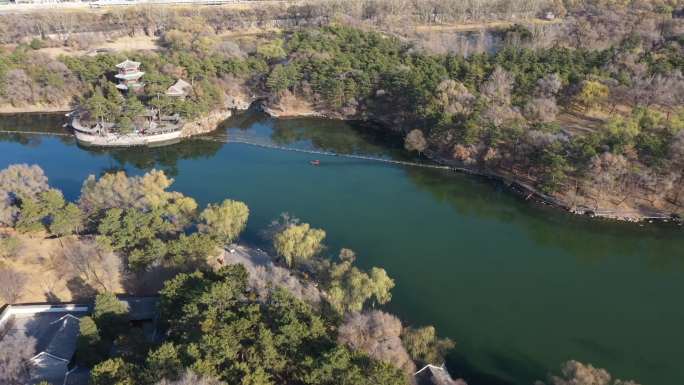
{"type": "Point", "coordinates": [128, 64]}
{"type": "Point", "coordinates": [180, 88]}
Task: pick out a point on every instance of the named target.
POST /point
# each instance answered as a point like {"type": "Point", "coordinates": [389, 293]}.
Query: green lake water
{"type": "Point", "coordinates": [520, 288]}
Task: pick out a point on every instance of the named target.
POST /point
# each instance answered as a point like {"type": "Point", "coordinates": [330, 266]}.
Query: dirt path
{"type": "Point", "coordinates": [126, 43]}
{"type": "Point", "coordinates": [496, 24]}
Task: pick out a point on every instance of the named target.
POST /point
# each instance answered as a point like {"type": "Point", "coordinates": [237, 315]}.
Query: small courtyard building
{"type": "Point", "coordinates": [180, 89]}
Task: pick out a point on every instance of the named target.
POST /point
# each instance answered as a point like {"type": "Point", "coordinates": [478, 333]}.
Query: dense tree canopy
{"type": "Point", "coordinates": [146, 192]}
{"type": "Point", "coordinates": [217, 328]}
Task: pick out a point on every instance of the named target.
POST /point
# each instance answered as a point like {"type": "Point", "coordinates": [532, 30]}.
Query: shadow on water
{"type": "Point", "coordinates": [315, 133]}
{"type": "Point", "coordinates": [459, 366]}
{"type": "Point", "coordinates": [49, 122]}
{"type": "Point", "coordinates": [523, 369]}
{"type": "Point", "coordinates": [165, 158]}
{"type": "Point", "coordinates": [589, 239]}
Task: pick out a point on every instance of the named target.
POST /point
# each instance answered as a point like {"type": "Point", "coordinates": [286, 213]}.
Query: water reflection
{"type": "Point", "coordinates": [320, 134]}
{"type": "Point", "coordinates": [165, 158]}
{"type": "Point", "coordinates": [52, 123]}
{"type": "Point", "coordinates": [588, 239]}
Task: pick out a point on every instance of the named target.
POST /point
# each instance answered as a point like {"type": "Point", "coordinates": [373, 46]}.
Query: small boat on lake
{"type": "Point", "coordinates": [315, 162]}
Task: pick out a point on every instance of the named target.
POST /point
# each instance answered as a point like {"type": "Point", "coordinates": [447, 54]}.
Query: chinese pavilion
{"type": "Point", "coordinates": [129, 75]}
{"type": "Point", "coordinates": [180, 89]}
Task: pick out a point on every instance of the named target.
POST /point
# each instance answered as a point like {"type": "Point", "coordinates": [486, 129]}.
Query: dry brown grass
{"type": "Point", "coordinates": [122, 44]}
{"type": "Point", "coordinates": [578, 123]}
{"type": "Point", "coordinates": [495, 24]}
{"type": "Point", "coordinates": [40, 258]}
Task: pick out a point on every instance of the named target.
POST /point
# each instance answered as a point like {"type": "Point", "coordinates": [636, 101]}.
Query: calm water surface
{"type": "Point", "coordinates": [520, 288]}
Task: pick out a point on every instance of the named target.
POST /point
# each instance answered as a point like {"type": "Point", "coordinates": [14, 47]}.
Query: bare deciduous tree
{"type": "Point", "coordinates": [498, 86]}
{"type": "Point", "coordinates": [190, 378]}
{"type": "Point", "coordinates": [17, 350]}
{"type": "Point", "coordinates": [19, 87]}
{"type": "Point", "coordinates": [378, 334]}
{"type": "Point", "coordinates": [415, 141]}
{"type": "Point", "coordinates": [455, 98]}
{"type": "Point", "coordinates": [264, 276]}
{"type": "Point", "coordinates": [543, 109]}
{"type": "Point", "coordinates": [19, 180]}
{"type": "Point", "coordinates": [98, 267]}
{"type": "Point", "coordinates": [549, 85]}
{"type": "Point", "coordinates": [607, 173]}
{"type": "Point", "coordinates": [12, 283]}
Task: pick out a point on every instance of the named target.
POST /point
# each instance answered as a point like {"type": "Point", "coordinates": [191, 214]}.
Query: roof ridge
{"type": "Point", "coordinates": [65, 316]}
{"type": "Point", "coordinates": [49, 355]}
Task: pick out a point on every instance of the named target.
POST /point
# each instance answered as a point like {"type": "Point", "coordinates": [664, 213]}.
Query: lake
{"type": "Point", "coordinates": [521, 288]}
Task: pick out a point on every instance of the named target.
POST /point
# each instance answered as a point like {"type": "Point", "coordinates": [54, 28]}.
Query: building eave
{"type": "Point", "coordinates": [132, 76]}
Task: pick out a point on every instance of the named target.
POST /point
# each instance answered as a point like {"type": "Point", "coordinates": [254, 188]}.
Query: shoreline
{"type": "Point", "coordinates": [210, 122]}
{"type": "Point", "coordinates": [34, 109]}
{"type": "Point", "coordinates": [519, 188]}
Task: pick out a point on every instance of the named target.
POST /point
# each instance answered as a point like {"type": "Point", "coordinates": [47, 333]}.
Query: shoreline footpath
{"type": "Point", "coordinates": [34, 109]}
{"type": "Point", "coordinates": [211, 121]}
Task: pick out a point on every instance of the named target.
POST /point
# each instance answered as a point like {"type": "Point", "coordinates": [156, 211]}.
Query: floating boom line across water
{"type": "Point", "coordinates": [509, 182]}
{"type": "Point", "coordinates": [335, 154]}
{"type": "Point", "coordinates": [526, 190]}
{"type": "Point", "coordinates": [282, 148]}
{"type": "Point", "coordinates": [35, 133]}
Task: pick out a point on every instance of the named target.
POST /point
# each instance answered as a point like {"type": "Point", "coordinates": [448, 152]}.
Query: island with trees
{"type": "Point", "coordinates": [126, 114]}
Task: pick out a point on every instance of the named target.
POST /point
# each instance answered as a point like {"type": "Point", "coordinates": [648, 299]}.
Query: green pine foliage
{"type": "Point", "coordinates": [217, 327]}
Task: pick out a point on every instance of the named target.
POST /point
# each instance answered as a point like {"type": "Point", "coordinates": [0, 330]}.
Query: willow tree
{"type": "Point", "coordinates": [424, 346]}
{"type": "Point", "coordinates": [298, 243]}
{"type": "Point", "coordinates": [224, 222]}
{"type": "Point", "coordinates": [349, 288]}
{"type": "Point", "coordinates": [147, 192]}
